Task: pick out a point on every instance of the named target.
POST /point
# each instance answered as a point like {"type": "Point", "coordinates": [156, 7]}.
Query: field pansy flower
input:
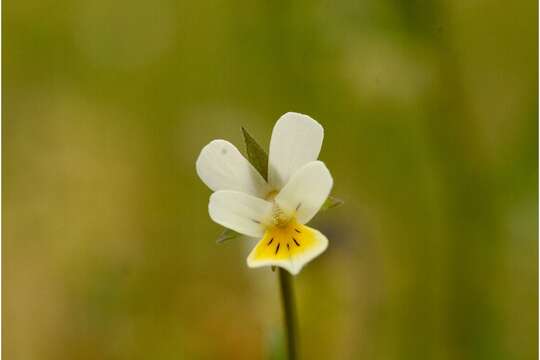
{"type": "Point", "coordinates": [273, 211]}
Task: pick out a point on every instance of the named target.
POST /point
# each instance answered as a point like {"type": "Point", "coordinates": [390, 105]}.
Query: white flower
{"type": "Point", "coordinates": [275, 211]}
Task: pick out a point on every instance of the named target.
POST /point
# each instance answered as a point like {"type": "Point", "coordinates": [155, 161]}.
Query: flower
{"type": "Point", "coordinates": [274, 211]}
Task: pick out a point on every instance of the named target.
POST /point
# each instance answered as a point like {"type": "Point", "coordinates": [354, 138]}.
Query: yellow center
{"type": "Point", "coordinates": [284, 240]}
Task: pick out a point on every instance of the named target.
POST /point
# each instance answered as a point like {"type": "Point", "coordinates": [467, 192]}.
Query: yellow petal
{"type": "Point", "coordinates": [289, 247]}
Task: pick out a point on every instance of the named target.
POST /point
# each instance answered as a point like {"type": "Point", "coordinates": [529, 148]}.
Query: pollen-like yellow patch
{"type": "Point", "coordinates": [284, 242]}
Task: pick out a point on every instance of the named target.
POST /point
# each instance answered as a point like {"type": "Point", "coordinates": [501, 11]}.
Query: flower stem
{"type": "Point", "coordinates": [289, 312]}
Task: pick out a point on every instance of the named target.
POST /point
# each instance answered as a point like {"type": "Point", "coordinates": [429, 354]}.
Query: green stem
{"type": "Point", "coordinates": [289, 313]}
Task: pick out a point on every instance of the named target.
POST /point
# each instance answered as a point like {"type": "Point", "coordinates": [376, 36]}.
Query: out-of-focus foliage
{"type": "Point", "coordinates": [430, 116]}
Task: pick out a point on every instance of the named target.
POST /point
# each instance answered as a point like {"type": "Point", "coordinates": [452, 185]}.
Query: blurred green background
{"type": "Point", "coordinates": [430, 110]}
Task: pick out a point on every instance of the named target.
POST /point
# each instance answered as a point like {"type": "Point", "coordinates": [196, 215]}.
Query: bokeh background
{"type": "Point", "coordinates": [430, 110]}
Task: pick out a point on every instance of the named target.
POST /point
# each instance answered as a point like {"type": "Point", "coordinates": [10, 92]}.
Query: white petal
{"type": "Point", "coordinates": [312, 244]}
{"type": "Point", "coordinates": [296, 140]}
{"type": "Point", "coordinates": [240, 212]}
{"type": "Point", "coordinates": [306, 191]}
{"type": "Point", "coordinates": [222, 167]}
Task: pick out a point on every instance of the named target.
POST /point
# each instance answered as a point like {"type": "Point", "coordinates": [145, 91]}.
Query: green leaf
{"type": "Point", "coordinates": [226, 235]}
{"type": "Point", "coordinates": [256, 155]}
{"type": "Point", "coordinates": [331, 202]}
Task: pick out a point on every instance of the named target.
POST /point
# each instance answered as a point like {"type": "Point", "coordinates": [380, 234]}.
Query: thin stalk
{"type": "Point", "coordinates": [289, 312]}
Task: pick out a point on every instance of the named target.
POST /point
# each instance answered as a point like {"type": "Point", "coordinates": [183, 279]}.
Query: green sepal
{"type": "Point", "coordinates": [330, 203]}
{"type": "Point", "coordinates": [256, 155]}
{"type": "Point", "coordinates": [226, 235]}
